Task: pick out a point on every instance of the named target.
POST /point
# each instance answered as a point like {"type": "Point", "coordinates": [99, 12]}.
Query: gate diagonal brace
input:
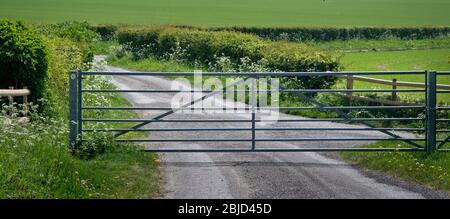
{"type": "Point", "coordinates": [350, 118]}
{"type": "Point", "coordinates": [159, 117]}
{"type": "Point", "coordinates": [447, 140]}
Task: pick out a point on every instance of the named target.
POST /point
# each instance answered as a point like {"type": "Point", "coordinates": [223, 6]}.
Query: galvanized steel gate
{"type": "Point", "coordinates": [428, 142]}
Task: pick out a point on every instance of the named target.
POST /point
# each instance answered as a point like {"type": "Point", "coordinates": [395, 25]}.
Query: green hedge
{"type": "Point", "coordinates": [64, 55]}
{"type": "Point", "coordinates": [199, 46]}
{"type": "Point", "coordinates": [73, 30]}
{"type": "Point", "coordinates": [105, 32]}
{"type": "Point", "coordinates": [23, 58]}
{"type": "Point", "coordinates": [329, 34]}
{"type": "Point", "coordinates": [204, 46]}
{"type": "Point", "coordinates": [299, 34]}
{"type": "Point", "coordinates": [79, 32]}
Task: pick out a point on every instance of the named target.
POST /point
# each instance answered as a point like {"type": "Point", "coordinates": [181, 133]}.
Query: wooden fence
{"type": "Point", "coordinates": [11, 93]}
{"type": "Point", "coordinates": [394, 83]}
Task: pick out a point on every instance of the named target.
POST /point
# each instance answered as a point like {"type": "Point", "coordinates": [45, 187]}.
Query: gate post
{"type": "Point", "coordinates": [79, 105]}
{"type": "Point", "coordinates": [431, 112]}
{"type": "Point", "coordinates": [73, 109]}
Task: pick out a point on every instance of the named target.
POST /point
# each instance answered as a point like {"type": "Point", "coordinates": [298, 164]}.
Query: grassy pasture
{"type": "Point", "coordinates": [432, 59]}
{"type": "Point", "coordinates": [235, 12]}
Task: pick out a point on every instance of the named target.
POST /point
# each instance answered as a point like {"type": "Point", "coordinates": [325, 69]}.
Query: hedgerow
{"type": "Point", "coordinates": [302, 34]}
{"type": "Point", "coordinates": [64, 55]}
{"type": "Point", "coordinates": [329, 34]}
{"type": "Point", "coordinates": [80, 32]}
{"type": "Point", "coordinates": [209, 48]}
{"type": "Point", "coordinates": [105, 32]}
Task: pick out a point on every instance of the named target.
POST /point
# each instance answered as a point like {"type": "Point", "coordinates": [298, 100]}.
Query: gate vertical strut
{"type": "Point", "coordinates": [254, 105]}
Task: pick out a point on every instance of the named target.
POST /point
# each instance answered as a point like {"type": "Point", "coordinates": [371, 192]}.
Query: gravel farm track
{"type": "Point", "coordinates": [259, 175]}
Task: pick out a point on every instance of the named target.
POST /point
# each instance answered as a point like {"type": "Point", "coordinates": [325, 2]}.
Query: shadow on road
{"type": "Point", "coordinates": [251, 164]}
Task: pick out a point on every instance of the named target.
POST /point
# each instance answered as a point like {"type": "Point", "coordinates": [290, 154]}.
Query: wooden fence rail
{"type": "Point", "coordinates": [11, 93]}
{"type": "Point", "coordinates": [394, 83]}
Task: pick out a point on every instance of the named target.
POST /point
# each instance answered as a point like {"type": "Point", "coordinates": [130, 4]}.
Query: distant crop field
{"type": "Point", "coordinates": [234, 12]}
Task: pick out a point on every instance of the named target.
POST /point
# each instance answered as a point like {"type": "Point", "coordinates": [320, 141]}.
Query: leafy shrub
{"type": "Point", "coordinates": [64, 55]}
{"type": "Point", "coordinates": [230, 51]}
{"type": "Point", "coordinates": [23, 58]}
{"type": "Point", "coordinates": [141, 43]}
{"type": "Point", "coordinates": [299, 34]}
{"type": "Point", "coordinates": [295, 57]}
{"type": "Point", "coordinates": [73, 30]}
{"type": "Point", "coordinates": [105, 32]}
{"type": "Point", "coordinates": [35, 162]}
{"type": "Point", "coordinates": [80, 32]}
{"type": "Point", "coordinates": [203, 46]}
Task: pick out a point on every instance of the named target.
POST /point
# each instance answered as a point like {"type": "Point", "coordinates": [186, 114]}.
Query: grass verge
{"type": "Point", "coordinates": [430, 169]}
{"type": "Point", "coordinates": [35, 160]}
{"type": "Point", "coordinates": [36, 163]}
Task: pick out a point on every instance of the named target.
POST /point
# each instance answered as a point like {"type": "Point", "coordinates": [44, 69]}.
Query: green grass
{"type": "Point", "coordinates": [435, 59]}
{"type": "Point", "coordinates": [431, 59]}
{"type": "Point", "coordinates": [432, 170]}
{"type": "Point", "coordinates": [355, 45]}
{"type": "Point", "coordinates": [150, 65]}
{"type": "Point", "coordinates": [100, 47]}
{"type": "Point", "coordinates": [36, 163]}
{"type": "Point", "coordinates": [235, 12]}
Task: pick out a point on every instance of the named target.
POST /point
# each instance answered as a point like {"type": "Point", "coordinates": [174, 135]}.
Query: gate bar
{"type": "Point", "coordinates": [287, 150]}
{"type": "Point", "coordinates": [256, 108]}
{"type": "Point", "coordinates": [256, 129]}
{"type": "Point", "coordinates": [257, 120]}
{"type": "Point", "coordinates": [261, 91]}
{"type": "Point", "coordinates": [271, 139]}
{"type": "Point", "coordinates": [254, 74]}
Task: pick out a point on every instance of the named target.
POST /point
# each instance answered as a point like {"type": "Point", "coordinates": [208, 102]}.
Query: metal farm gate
{"type": "Point", "coordinates": [431, 139]}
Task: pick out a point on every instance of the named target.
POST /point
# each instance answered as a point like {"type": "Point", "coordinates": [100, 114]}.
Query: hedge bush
{"type": "Point", "coordinates": [329, 34]}
{"type": "Point", "coordinates": [73, 30]}
{"type": "Point", "coordinates": [299, 34]}
{"type": "Point", "coordinates": [23, 58]}
{"type": "Point", "coordinates": [296, 57]}
{"type": "Point", "coordinates": [206, 47]}
{"type": "Point", "coordinates": [79, 32]}
{"type": "Point", "coordinates": [64, 55]}
{"type": "Point", "coordinates": [105, 32]}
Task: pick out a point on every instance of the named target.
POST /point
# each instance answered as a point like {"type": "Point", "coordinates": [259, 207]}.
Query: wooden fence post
{"type": "Point", "coordinates": [10, 102]}
{"type": "Point", "coordinates": [394, 87]}
{"type": "Point", "coordinates": [25, 103]}
{"type": "Point", "coordinates": [350, 87]}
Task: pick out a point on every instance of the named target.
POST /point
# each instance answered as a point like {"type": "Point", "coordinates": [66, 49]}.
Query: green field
{"type": "Point", "coordinates": [431, 59]}
{"type": "Point", "coordinates": [235, 12]}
